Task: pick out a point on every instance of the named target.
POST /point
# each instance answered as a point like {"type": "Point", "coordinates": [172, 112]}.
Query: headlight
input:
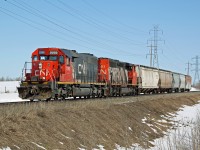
{"type": "Point", "coordinates": [40, 65]}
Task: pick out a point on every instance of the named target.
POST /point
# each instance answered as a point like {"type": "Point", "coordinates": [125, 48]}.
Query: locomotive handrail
{"type": "Point", "coordinates": [24, 70]}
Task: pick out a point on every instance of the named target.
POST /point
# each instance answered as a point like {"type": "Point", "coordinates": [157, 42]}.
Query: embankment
{"type": "Point", "coordinates": [91, 123]}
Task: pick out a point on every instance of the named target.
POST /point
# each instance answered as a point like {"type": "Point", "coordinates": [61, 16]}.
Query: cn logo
{"type": "Point", "coordinates": [41, 72]}
{"type": "Point", "coordinates": [82, 68]}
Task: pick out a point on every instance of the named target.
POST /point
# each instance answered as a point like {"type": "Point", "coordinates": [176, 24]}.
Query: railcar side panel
{"type": "Point", "coordinates": [148, 78]}
{"type": "Point", "coordinates": [165, 79]}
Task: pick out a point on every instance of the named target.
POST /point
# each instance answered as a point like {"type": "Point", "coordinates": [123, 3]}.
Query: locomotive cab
{"type": "Point", "coordinates": [46, 65]}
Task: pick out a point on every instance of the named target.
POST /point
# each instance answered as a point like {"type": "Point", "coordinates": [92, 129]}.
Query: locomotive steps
{"type": "Point", "coordinates": [89, 124]}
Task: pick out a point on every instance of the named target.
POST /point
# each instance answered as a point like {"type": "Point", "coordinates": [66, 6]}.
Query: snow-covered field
{"type": "Point", "coordinates": [9, 97]}
{"type": "Point", "coordinates": [8, 91]}
{"type": "Point", "coordinates": [9, 86]}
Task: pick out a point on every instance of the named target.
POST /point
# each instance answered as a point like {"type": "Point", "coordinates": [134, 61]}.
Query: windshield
{"type": "Point", "coordinates": [52, 58]}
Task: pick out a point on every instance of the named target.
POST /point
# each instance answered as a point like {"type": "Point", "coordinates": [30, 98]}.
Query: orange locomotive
{"type": "Point", "coordinates": [56, 73]}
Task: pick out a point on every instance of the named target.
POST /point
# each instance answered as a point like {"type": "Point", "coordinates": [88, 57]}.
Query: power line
{"type": "Point", "coordinates": [111, 18]}
{"type": "Point", "coordinates": [37, 28]}
{"type": "Point", "coordinates": [93, 22]}
{"type": "Point", "coordinates": [60, 26]}
{"type": "Point", "coordinates": [49, 19]}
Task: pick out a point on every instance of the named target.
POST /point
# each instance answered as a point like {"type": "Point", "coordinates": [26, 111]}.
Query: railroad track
{"type": "Point", "coordinates": [116, 99]}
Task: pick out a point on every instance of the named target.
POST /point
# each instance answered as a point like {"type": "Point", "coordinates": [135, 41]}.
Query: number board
{"type": "Point", "coordinates": [53, 53]}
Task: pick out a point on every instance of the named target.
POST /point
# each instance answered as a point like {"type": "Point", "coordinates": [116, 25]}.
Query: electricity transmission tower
{"type": "Point", "coordinates": [188, 68]}
{"type": "Point", "coordinates": [154, 47]}
{"type": "Point", "coordinates": [196, 75]}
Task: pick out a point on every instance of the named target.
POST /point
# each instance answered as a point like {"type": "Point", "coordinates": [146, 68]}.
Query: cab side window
{"type": "Point", "coordinates": [61, 59]}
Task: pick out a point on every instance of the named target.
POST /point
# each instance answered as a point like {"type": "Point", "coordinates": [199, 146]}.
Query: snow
{"type": "Point", "coordinates": [10, 97]}
{"type": "Point", "coordinates": [144, 120]}
{"type": "Point", "coordinates": [11, 94]}
{"type": "Point", "coordinates": [194, 89]}
{"type": "Point", "coordinates": [100, 147]}
{"type": "Point", "coordinates": [181, 131]}
{"type": "Point", "coordinates": [9, 86]}
{"type": "Point", "coordinates": [66, 136]}
{"type": "Point", "coordinates": [132, 147]}
{"type": "Point", "coordinates": [179, 135]}
{"type": "Point", "coordinates": [81, 148]}
{"type": "Point", "coordinates": [61, 143]}
{"type": "Point", "coordinates": [16, 146]}
{"type": "Point", "coordinates": [38, 145]}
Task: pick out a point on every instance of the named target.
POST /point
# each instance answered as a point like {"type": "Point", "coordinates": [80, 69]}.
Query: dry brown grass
{"type": "Point", "coordinates": [86, 124]}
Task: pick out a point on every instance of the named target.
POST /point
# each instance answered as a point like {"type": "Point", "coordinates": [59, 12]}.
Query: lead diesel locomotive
{"type": "Point", "coordinates": [56, 73]}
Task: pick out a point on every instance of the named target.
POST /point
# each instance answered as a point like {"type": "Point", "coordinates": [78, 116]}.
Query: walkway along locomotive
{"type": "Point", "coordinates": [56, 73]}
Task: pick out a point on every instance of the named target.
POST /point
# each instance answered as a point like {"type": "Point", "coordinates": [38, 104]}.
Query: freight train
{"type": "Point", "coordinates": [56, 73]}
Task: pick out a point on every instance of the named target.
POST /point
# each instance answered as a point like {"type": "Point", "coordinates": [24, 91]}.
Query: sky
{"type": "Point", "coordinates": [118, 29]}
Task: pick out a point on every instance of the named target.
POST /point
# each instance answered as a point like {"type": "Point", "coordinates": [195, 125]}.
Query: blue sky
{"type": "Point", "coordinates": [118, 29]}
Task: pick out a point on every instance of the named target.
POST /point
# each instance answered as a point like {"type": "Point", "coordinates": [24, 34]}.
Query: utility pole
{"type": "Point", "coordinates": [196, 75]}
{"type": "Point", "coordinates": [154, 48]}
{"type": "Point", "coordinates": [188, 68]}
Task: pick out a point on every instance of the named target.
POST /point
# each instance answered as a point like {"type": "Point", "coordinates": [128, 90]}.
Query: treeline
{"type": "Point", "coordinates": [10, 79]}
